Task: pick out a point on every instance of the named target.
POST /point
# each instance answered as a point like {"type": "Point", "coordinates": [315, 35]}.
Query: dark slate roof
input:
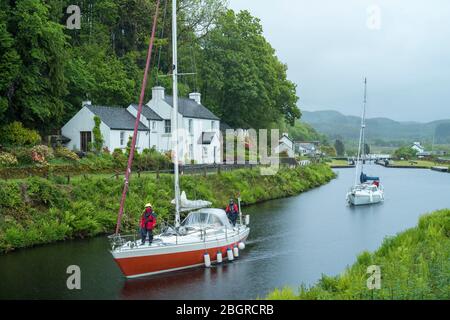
{"type": "Point", "coordinates": [224, 126]}
{"type": "Point", "coordinates": [148, 112]}
{"type": "Point", "coordinates": [116, 117]}
{"type": "Point", "coordinates": [191, 109]}
{"type": "Point", "coordinates": [206, 137]}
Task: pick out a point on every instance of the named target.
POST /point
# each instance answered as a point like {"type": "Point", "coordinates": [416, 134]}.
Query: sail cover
{"type": "Point", "coordinates": [364, 178]}
{"type": "Point", "coordinates": [187, 205]}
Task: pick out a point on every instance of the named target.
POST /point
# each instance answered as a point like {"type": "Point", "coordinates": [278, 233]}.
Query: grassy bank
{"type": "Point", "coordinates": [36, 210]}
{"type": "Point", "coordinates": [415, 264]}
{"type": "Point", "coordinates": [413, 163]}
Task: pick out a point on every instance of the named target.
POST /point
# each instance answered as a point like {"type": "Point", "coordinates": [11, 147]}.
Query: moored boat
{"type": "Point", "coordinates": [369, 189]}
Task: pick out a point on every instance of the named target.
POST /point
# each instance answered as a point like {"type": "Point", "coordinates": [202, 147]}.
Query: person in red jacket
{"type": "Point", "coordinates": [232, 211]}
{"type": "Point", "coordinates": [148, 222]}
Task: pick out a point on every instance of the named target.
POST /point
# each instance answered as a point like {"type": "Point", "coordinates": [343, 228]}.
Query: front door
{"type": "Point", "coordinates": [85, 139]}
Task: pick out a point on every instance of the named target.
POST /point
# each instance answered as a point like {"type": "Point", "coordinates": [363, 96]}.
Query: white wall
{"type": "Point", "coordinates": [83, 120]}
{"type": "Point", "coordinates": [141, 143]}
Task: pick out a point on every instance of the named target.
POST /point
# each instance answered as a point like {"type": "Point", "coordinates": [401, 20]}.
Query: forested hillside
{"type": "Point", "coordinates": [379, 130]}
{"type": "Point", "coordinates": [48, 70]}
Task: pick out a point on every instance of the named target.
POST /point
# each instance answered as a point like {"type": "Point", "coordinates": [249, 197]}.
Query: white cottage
{"type": "Point", "coordinates": [116, 127]}
{"type": "Point", "coordinates": [285, 145]}
{"type": "Point", "coordinates": [199, 128]}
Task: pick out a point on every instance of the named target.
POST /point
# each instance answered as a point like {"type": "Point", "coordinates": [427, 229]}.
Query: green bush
{"type": "Point", "coordinates": [15, 134]}
{"type": "Point", "coordinates": [7, 159]}
{"type": "Point", "coordinates": [119, 159]}
{"type": "Point", "coordinates": [65, 153]}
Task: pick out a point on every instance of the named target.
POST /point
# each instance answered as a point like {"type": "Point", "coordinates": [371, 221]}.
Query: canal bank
{"type": "Point", "coordinates": [292, 241]}
{"type": "Point", "coordinates": [38, 211]}
{"type": "Point", "coordinates": [415, 264]}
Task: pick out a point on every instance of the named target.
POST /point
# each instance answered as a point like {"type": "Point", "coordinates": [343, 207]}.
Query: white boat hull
{"type": "Point", "coordinates": [359, 198]}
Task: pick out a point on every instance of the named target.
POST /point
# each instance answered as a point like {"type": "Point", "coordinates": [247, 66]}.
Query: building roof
{"type": "Point", "coordinates": [284, 135]}
{"type": "Point", "coordinates": [148, 112]}
{"type": "Point", "coordinates": [191, 109]}
{"type": "Point", "coordinates": [224, 126]}
{"type": "Point", "coordinates": [116, 117]}
{"type": "Point", "coordinates": [206, 137]}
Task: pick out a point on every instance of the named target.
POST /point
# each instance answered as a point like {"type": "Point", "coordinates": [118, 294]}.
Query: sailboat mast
{"type": "Point", "coordinates": [175, 112]}
{"type": "Point", "coordinates": [361, 133]}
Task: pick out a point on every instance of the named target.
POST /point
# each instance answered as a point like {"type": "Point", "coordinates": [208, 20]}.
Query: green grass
{"type": "Point", "coordinates": [414, 163]}
{"type": "Point", "coordinates": [338, 163]}
{"type": "Point", "coordinates": [415, 264]}
{"type": "Point", "coordinates": [36, 210]}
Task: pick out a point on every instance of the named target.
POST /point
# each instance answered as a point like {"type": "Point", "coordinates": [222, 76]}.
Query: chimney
{"type": "Point", "coordinates": [196, 96]}
{"type": "Point", "coordinates": [158, 93]}
{"type": "Point", "coordinates": [86, 103]}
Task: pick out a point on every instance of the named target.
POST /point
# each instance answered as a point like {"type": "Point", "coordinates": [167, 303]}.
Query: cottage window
{"type": "Point", "coordinates": [122, 138]}
{"type": "Point", "coordinates": [153, 125]}
{"type": "Point", "coordinates": [167, 126]}
{"type": "Point", "coordinates": [190, 126]}
{"type": "Point", "coordinates": [213, 125]}
{"type": "Point", "coordinates": [205, 152]}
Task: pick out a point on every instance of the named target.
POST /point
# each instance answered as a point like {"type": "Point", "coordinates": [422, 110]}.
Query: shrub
{"type": "Point", "coordinates": [41, 153]}
{"type": "Point", "coordinates": [98, 138]}
{"type": "Point", "coordinates": [63, 152]}
{"type": "Point", "coordinates": [7, 159]}
{"type": "Point", "coordinates": [119, 159]}
{"type": "Point", "coordinates": [16, 134]}
{"type": "Point", "coordinates": [23, 155]}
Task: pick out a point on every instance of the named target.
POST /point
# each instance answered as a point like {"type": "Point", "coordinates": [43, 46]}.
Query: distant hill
{"type": "Point", "coordinates": [334, 124]}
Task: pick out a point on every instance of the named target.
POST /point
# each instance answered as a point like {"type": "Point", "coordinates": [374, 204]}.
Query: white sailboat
{"type": "Point", "coordinates": [204, 236]}
{"type": "Point", "coordinates": [369, 189]}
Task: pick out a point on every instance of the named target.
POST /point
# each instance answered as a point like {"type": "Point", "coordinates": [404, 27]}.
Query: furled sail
{"type": "Point", "coordinates": [187, 205]}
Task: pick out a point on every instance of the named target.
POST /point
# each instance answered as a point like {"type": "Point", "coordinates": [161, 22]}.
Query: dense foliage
{"type": "Point", "coordinates": [405, 152]}
{"type": "Point", "coordinates": [36, 210]}
{"type": "Point", "coordinates": [48, 70]}
{"type": "Point", "coordinates": [14, 134]}
{"type": "Point", "coordinates": [415, 264]}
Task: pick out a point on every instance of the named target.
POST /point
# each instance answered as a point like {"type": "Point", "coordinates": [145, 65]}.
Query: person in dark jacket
{"type": "Point", "coordinates": [232, 211]}
{"type": "Point", "coordinates": [148, 222]}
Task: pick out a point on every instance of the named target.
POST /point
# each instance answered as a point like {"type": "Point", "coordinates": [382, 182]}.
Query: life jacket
{"type": "Point", "coordinates": [148, 220]}
{"type": "Point", "coordinates": [233, 209]}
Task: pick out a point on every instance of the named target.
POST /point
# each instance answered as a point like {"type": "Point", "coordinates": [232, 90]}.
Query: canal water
{"type": "Point", "coordinates": [292, 241]}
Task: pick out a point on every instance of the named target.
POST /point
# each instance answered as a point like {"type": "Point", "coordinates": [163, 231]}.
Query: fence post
{"type": "Point", "coordinates": [218, 168]}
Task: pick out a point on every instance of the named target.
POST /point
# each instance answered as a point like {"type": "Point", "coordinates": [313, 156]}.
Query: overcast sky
{"type": "Point", "coordinates": [330, 45]}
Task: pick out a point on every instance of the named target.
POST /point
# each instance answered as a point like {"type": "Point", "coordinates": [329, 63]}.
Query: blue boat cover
{"type": "Point", "coordinates": [364, 178]}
